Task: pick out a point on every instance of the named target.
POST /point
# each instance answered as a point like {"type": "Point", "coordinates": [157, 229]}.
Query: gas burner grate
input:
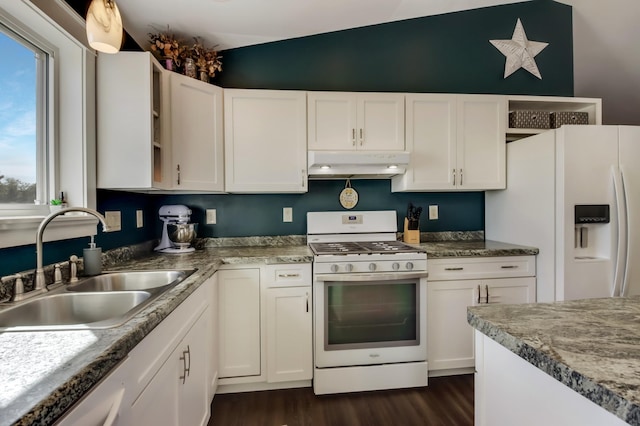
{"type": "Point", "coordinates": [363, 247]}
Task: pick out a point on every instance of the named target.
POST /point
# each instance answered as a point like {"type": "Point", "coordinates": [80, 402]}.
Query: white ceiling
{"type": "Point", "coordinates": [606, 55]}
{"type": "Point", "coordinates": [235, 23]}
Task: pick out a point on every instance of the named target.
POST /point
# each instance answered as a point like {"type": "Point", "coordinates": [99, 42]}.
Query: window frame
{"type": "Point", "coordinates": [70, 128]}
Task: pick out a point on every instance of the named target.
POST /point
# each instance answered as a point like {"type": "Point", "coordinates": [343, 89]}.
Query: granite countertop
{"type": "Point", "coordinates": [45, 373]}
{"type": "Point", "coordinates": [592, 346]}
{"type": "Point", "coordinates": [474, 248]}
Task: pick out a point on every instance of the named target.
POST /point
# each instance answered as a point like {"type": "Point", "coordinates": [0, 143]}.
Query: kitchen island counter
{"type": "Point", "coordinates": [591, 346]}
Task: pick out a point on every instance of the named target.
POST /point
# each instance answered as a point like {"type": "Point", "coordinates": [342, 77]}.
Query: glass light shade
{"type": "Point", "coordinates": [104, 26]}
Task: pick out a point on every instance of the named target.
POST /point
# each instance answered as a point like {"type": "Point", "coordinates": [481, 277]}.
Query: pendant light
{"type": "Point", "coordinates": [104, 26]}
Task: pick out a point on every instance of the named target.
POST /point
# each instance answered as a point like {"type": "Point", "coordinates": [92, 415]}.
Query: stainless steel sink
{"type": "Point", "coordinates": [130, 280]}
{"type": "Point", "coordinates": [73, 311]}
{"type": "Point", "coordinates": [102, 301]}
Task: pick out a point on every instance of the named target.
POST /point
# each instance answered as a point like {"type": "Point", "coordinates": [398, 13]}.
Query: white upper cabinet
{"type": "Point", "coordinates": [265, 141]}
{"type": "Point", "coordinates": [345, 121]}
{"type": "Point", "coordinates": [196, 135]}
{"type": "Point", "coordinates": [132, 124]}
{"type": "Point", "coordinates": [457, 143]}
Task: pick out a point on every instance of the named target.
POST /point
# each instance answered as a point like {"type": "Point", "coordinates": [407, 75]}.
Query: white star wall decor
{"type": "Point", "coordinates": [519, 52]}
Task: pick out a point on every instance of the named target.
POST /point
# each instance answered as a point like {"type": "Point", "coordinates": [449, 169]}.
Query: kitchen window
{"type": "Point", "coordinates": [60, 125]}
{"type": "Point", "coordinates": [24, 82]}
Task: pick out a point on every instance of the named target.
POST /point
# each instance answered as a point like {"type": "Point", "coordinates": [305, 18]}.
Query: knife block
{"type": "Point", "coordinates": [410, 236]}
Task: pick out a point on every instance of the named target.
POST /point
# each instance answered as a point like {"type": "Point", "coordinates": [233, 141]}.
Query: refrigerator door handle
{"type": "Point", "coordinates": [618, 285]}
{"type": "Point", "coordinates": [627, 236]}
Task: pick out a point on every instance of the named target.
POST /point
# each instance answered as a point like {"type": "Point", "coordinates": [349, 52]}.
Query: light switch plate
{"type": "Point", "coordinates": [114, 221]}
{"type": "Point", "coordinates": [139, 219]}
{"type": "Point", "coordinates": [211, 217]}
{"type": "Point", "coordinates": [287, 214]}
{"type": "Point", "coordinates": [433, 212]}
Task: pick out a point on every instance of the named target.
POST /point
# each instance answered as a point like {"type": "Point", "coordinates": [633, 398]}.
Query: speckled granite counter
{"type": "Point", "coordinates": [44, 373]}
{"type": "Point", "coordinates": [475, 248]}
{"type": "Point", "coordinates": [592, 346]}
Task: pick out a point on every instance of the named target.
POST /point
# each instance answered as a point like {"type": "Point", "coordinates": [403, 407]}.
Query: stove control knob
{"type": "Point", "coordinates": [395, 266]}
{"type": "Point", "coordinates": [409, 266]}
{"type": "Point", "coordinates": [349, 267]}
{"type": "Point", "coordinates": [334, 268]}
{"type": "Point", "coordinates": [372, 267]}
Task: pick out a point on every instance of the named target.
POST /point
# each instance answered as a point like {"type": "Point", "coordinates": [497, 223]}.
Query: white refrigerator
{"type": "Point", "coordinates": [574, 193]}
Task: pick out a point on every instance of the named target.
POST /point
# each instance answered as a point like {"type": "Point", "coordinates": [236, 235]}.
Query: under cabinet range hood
{"type": "Point", "coordinates": [357, 164]}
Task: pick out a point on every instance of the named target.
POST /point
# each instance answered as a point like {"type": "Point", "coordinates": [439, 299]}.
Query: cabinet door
{"type": "Point", "coordinates": [196, 134]}
{"type": "Point", "coordinates": [332, 121]}
{"type": "Point", "coordinates": [265, 141]}
{"type": "Point", "coordinates": [239, 316]}
{"type": "Point", "coordinates": [508, 290]}
{"type": "Point", "coordinates": [158, 404]}
{"type": "Point", "coordinates": [132, 138]}
{"type": "Point", "coordinates": [193, 352]}
{"type": "Point", "coordinates": [431, 139]}
{"type": "Point", "coordinates": [380, 122]}
{"type": "Point", "coordinates": [449, 336]}
{"type": "Point", "coordinates": [481, 150]}
{"type": "Point", "coordinates": [213, 336]}
{"type": "Point", "coordinates": [289, 341]}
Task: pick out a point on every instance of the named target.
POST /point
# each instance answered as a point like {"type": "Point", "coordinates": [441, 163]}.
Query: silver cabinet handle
{"type": "Point", "coordinates": [486, 287]}
{"type": "Point", "coordinates": [457, 268]}
{"type": "Point", "coordinates": [307, 301]}
{"type": "Point", "coordinates": [184, 367]}
{"type": "Point", "coordinates": [460, 177]}
{"type": "Point", "coordinates": [288, 275]}
{"type": "Point", "coordinates": [509, 267]}
{"type": "Point", "coordinates": [479, 302]}
{"type": "Point", "coordinates": [454, 177]}
{"type": "Point", "coordinates": [303, 177]}
{"type": "Point", "coordinates": [361, 137]}
{"type": "Point", "coordinates": [178, 169]}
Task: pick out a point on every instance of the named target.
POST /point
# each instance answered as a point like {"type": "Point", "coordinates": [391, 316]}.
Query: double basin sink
{"type": "Point", "coordinates": [102, 301]}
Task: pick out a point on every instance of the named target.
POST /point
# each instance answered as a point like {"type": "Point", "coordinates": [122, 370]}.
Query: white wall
{"type": "Point", "coordinates": [606, 56]}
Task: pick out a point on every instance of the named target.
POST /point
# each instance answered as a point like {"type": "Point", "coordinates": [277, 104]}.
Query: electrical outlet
{"type": "Point", "coordinates": [211, 217]}
{"type": "Point", "coordinates": [287, 214]}
{"type": "Point", "coordinates": [114, 220]}
{"type": "Point", "coordinates": [433, 212]}
{"type": "Point", "coordinates": [139, 219]}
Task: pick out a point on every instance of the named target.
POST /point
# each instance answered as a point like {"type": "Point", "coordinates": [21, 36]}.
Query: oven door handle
{"type": "Point", "coordinates": [392, 276]}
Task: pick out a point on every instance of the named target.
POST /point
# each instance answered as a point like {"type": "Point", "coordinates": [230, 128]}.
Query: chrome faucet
{"type": "Point", "coordinates": [40, 285]}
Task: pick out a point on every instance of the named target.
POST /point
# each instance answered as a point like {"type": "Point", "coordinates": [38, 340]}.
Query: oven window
{"type": "Point", "coordinates": [364, 315]}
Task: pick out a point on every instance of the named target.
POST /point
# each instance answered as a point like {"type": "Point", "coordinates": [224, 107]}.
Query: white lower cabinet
{"type": "Point", "coordinates": [265, 327]}
{"type": "Point", "coordinates": [456, 283]}
{"type": "Point", "coordinates": [239, 316]}
{"type": "Point", "coordinates": [289, 341]}
{"type": "Point", "coordinates": [165, 378]}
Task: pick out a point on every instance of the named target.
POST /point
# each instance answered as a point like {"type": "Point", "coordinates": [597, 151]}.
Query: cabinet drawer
{"type": "Point", "coordinates": [287, 275]}
{"type": "Point", "coordinates": [485, 267]}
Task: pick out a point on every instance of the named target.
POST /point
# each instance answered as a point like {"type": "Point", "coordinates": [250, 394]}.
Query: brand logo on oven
{"type": "Point", "coordinates": [374, 355]}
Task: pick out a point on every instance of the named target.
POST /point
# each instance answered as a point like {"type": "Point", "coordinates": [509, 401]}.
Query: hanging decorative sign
{"type": "Point", "coordinates": [519, 52]}
{"type": "Point", "coordinates": [348, 196]}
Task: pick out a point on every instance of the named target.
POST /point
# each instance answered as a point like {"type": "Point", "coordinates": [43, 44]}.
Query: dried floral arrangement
{"type": "Point", "coordinates": [167, 46]}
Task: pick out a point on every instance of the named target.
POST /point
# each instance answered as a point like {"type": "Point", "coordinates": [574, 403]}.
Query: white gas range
{"type": "Point", "coordinates": [369, 295]}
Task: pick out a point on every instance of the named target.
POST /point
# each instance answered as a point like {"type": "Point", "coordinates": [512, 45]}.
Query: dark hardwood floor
{"type": "Point", "coordinates": [446, 401]}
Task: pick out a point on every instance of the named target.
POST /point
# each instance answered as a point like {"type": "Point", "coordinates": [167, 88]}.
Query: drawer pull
{"type": "Point", "coordinates": [479, 302]}
{"type": "Point", "coordinates": [509, 267]}
{"type": "Point", "coordinates": [487, 289]}
{"type": "Point", "coordinates": [288, 275]}
{"type": "Point", "coordinates": [457, 268]}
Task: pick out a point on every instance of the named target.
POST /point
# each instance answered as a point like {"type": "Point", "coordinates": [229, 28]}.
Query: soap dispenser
{"type": "Point", "coordinates": [92, 257]}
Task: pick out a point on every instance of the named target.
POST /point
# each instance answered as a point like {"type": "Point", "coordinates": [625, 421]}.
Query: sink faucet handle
{"type": "Point", "coordinates": [57, 275]}
{"type": "Point", "coordinates": [73, 268]}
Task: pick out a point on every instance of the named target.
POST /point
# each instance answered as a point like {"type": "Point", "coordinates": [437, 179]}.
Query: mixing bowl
{"type": "Point", "coordinates": [182, 234]}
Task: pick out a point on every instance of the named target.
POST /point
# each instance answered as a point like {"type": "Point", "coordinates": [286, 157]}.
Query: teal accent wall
{"type": "Point", "coordinates": [448, 53]}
